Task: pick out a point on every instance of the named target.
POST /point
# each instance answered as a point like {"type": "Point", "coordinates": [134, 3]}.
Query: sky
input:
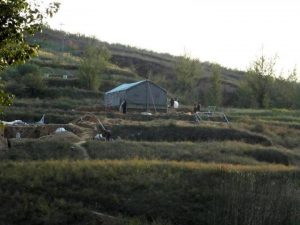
{"type": "Point", "coordinates": [229, 32]}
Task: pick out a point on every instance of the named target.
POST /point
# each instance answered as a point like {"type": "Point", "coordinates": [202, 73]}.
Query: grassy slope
{"type": "Point", "coordinates": [129, 63]}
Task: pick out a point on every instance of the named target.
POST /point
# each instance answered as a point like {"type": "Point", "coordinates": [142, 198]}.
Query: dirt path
{"type": "Point", "coordinates": [79, 146]}
{"type": "Point", "coordinates": [87, 134]}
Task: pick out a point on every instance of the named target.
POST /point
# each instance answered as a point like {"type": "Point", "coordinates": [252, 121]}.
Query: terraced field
{"type": "Point", "coordinates": [159, 169]}
{"type": "Point", "coordinates": [162, 169]}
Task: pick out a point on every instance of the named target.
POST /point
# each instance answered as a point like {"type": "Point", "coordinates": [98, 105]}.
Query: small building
{"type": "Point", "coordinates": [142, 95]}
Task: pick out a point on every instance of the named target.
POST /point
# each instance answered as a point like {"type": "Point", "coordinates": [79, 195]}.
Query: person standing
{"type": "Point", "coordinates": [198, 107]}
{"type": "Point", "coordinates": [195, 107]}
{"type": "Point", "coordinates": [171, 102]}
{"type": "Point", "coordinates": [124, 107]}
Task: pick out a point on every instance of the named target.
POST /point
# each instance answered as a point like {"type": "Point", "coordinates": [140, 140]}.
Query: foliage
{"type": "Point", "coordinates": [214, 95]}
{"type": "Point", "coordinates": [187, 70]}
{"type": "Point", "coordinates": [260, 78]}
{"type": "Point", "coordinates": [24, 80]}
{"type": "Point", "coordinates": [92, 66]}
{"type": "Point", "coordinates": [284, 91]}
{"type": "Point", "coordinates": [262, 88]}
{"type": "Point", "coordinates": [244, 96]}
{"type": "Point", "coordinates": [5, 99]}
{"type": "Point", "coordinates": [20, 18]}
{"type": "Point", "coordinates": [182, 193]}
{"type": "Point", "coordinates": [34, 83]}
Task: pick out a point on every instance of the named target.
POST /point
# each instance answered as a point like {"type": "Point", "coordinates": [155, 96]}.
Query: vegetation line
{"type": "Point", "coordinates": [176, 164]}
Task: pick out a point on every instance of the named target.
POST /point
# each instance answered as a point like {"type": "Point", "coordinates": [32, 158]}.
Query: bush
{"type": "Point", "coordinates": [34, 84]}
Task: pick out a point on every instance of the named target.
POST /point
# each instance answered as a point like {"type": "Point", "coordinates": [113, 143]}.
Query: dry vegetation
{"type": "Point", "coordinates": [174, 172]}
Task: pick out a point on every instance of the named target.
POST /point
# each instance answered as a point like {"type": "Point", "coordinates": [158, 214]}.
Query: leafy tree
{"type": "Point", "coordinates": [297, 96]}
{"type": "Point", "coordinates": [5, 99]}
{"type": "Point", "coordinates": [262, 88]}
{"type": "Point", "coordinates": [259, 79]}
{"type": "Point", "coordinates": [187, 70]}
{"type": "Point", "coordinates": [244, 96]}
{"type": "Point", "coordinates": [33, 82]}
{"type": "Point", "coordinates": [24, 80]}
{"type": "Point", "coordinates": [19, 18]}
{"type": "Point", "coordinates": [92, 66]}
{"type": "Point", "coordinates": [214, 95]}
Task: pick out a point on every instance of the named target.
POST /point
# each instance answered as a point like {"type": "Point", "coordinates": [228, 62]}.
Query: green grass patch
{"type": "Point", "coordinates": [217, 152]}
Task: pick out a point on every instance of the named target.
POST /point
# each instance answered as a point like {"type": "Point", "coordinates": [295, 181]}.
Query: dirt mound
{"type": "Point", "coordinates": [87, 118]}
{"type": "Point", "coordinates": [64, 136]}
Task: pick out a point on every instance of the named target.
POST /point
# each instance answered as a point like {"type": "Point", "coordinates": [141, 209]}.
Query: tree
{"type": "Point", "coordinates": [214, 96]}
{"type": "Point", "coordinates": [259, 79]}
{"type": "Point", "coordinates": [19, 18]}
{"type": "Point", "coordinates": [187, 70]}
{"type": "Point", "coordinates": [34, 83]}
{"type": "Point", "coordinates": [263, 88]}
{"type": "Point", "coordinates": [24, 80]}
{"type": "Point", "coordinates": [92, 66]}
{"type": "Point", "coordinates": [284, 91]}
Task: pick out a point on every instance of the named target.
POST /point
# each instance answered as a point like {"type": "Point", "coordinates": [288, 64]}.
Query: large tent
{"type": "Point", "coordinates": [143, 95]}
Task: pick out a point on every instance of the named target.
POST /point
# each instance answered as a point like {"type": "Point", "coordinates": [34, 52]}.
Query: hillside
{"type": "Point", "coordinates": [159, 169]}
{"type": "Point", "coordinates": [190, 80]}
{"type": "Point", "coordinates": [59, 51]}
